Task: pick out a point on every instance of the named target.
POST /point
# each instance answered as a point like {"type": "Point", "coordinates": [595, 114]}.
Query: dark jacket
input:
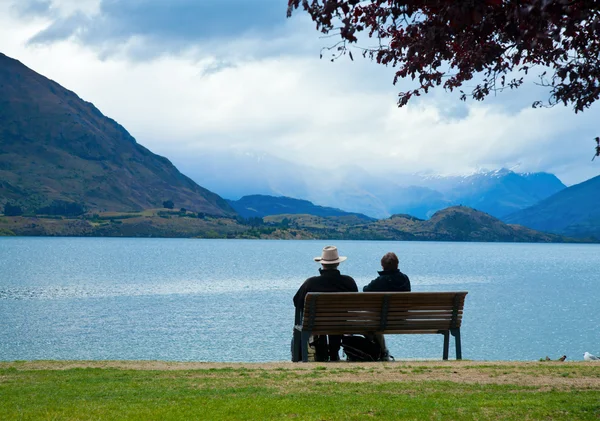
{"type": "Point", "coordinates": [330, 280]}
{"type": "Point", "coordinates": [389, 280]}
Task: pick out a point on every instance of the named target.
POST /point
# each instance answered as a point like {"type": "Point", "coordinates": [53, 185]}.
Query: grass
{"type": "Point", "coordinates": [413, 391]}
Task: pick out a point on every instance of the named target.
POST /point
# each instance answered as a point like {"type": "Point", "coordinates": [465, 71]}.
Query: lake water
{"type": "Point", "coordinates": [231, 300]}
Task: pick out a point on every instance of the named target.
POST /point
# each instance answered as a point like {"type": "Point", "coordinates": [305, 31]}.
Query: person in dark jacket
{"type": "Point", "coordinates": [329, 280]}
{"type": "Point", "coordinates": [389, 279]}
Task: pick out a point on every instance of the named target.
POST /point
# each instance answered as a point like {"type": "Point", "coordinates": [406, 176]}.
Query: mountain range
{"type": "Point", "coordinates": [57, 148]}
{"type": "Point", "coordinates": [234, 174]}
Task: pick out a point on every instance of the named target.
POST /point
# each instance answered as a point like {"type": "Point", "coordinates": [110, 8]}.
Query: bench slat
{"type": "Point", "coordinates": [366, 296]}
{"type": "Point", "coordinates": [334, 323]}
{"type": "Point", "coordinates": [391, 314]}
{"type": "Point", "coordinates": [400, 303]}
{"type": "Point", "coordinates": [377, 316]}
{"type": "Point", "coordinates": [385, 332]}
{"type": "Point", "coordinates": [336, 298]}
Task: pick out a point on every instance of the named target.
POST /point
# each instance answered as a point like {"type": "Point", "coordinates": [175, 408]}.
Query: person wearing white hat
{"type": "Point", "coordinates": [329, 280]}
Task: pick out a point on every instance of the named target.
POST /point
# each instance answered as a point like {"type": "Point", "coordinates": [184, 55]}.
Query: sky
{"type": "Point", "coordinates": [189, 76]}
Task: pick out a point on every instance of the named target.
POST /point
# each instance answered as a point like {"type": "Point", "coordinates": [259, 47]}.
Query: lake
{"type": "Point", "coordinates": [231, 300]}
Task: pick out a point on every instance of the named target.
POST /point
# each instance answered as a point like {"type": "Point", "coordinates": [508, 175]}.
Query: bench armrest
{"type": "Point", "coordinates": [298, 316]}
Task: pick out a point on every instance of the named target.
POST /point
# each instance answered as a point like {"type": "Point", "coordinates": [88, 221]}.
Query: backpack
{"type": "Point", "coordinates": [361, 348]}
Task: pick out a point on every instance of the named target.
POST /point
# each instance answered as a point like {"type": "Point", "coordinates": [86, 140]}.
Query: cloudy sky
{"type": "Point", "coordinates": [187, 76]}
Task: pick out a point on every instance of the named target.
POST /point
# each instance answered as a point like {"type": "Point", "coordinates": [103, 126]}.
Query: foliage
{"type": "Point", "coordinates": [6, 233]}
{"type": "Point", "coordinates": [12, 210]}
{"type": "Point", "coordinates": [62, 208]}
{"type": "Point", "coordinates": [254, 221]}
{"type": "Point", "coordinates": [168, 204]}
{"type": "Point", "coordinates": [449, 42]}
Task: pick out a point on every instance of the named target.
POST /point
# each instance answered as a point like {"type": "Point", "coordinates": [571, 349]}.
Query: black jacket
{"type": "Point", "coordinates": [389, 280]}
{"type": "Point", "coordinates": [330, 280]}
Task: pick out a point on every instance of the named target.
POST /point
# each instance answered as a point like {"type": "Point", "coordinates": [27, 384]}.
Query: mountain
{"type": "Point", "coordinates": [264, 205]}
{"type": "Point", "coordinates": [499, 192]}
{"type": "Point", "coordinates": [234, 174]}
{"type": "Point", "coordinates": [574, 211]}
{"type": "Point", "coordinates": [57, 148]}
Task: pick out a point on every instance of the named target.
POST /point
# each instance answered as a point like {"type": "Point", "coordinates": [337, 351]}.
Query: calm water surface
{"type": "Point", "coordinates": [231, 300]}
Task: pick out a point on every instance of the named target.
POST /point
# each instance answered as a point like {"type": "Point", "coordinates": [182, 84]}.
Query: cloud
{"type": "Point", "coordinates": [32, 8]}
{"type": "Point", "coordinates": [162, 27]}
{"type": "Point", "coordinates": [53, 9]}
{"type": "Point", "coordinates": [61, 29]}
{"type": "Point", "coordinates": [224, 75]}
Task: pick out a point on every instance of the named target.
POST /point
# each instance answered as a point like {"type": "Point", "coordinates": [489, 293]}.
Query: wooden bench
{"type": "Point", "coordinates": [338, 313]}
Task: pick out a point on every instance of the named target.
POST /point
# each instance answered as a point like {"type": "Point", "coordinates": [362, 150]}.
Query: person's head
{"type": "Point", "coordinates": [330, 267]}
{"type": "Point", "coordinates": [389, 261]}
{"type": "Point", "coordinates": [330, 259]}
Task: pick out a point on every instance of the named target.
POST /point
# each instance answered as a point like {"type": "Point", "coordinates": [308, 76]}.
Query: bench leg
{"type": "Point", "coordinates": [456, 334]}
{"type": "Point", "coordinates": [446, 344]}
{"type": "Point", "coordinates": [304, 342]}
{"type": "Point", "coordinates": [296, 346]}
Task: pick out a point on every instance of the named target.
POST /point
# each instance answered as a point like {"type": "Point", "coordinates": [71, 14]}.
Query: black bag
{"type": "Point", "coordinates": [360, 348]}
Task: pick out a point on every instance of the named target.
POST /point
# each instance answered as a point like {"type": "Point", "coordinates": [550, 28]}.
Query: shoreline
{"type": "Point", "coordinates": [582, 242]}
{"type": "Point", "coordinates": [187, 365]}
{"type": "Point", "coordinates": [452, 227]}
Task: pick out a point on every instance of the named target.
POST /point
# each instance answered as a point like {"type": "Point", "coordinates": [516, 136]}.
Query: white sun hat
{"type": "Point", "coordinates": [330, 256]}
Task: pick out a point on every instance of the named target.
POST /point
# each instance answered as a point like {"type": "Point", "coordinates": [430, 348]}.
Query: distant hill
{"type": "Point", "coordinates": [457, 223]}
{"type": "Point", "coordinates": [574, 211]}
{"type": "Point", "coordinates": [460, 223]}
{"type": "Point", "coordinates": [55, 147]}
{"type": "Point", "coordinates": [264, 205]}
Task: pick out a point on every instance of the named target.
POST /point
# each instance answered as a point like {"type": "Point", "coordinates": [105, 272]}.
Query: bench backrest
{"type": "Point", "coordinates": [382, 312]}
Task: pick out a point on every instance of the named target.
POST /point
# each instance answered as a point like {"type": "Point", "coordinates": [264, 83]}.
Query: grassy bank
{"type": "Point", "coordinates": [338, 391]}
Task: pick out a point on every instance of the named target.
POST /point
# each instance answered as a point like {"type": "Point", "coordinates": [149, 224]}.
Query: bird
{"type": "Point", "coordinates": [547, 358]}
{"type": "Point", "coordinates": [589, 357]}
{"type": "Point", "coordinates": [564, 357]}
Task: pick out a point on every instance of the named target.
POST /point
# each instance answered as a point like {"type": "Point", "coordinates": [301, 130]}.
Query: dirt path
{"type": "Point", "coordinates": [550, 375]}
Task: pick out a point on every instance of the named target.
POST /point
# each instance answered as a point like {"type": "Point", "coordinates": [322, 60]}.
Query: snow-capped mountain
{"type": "Point", "coordinates": [353, 189]}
